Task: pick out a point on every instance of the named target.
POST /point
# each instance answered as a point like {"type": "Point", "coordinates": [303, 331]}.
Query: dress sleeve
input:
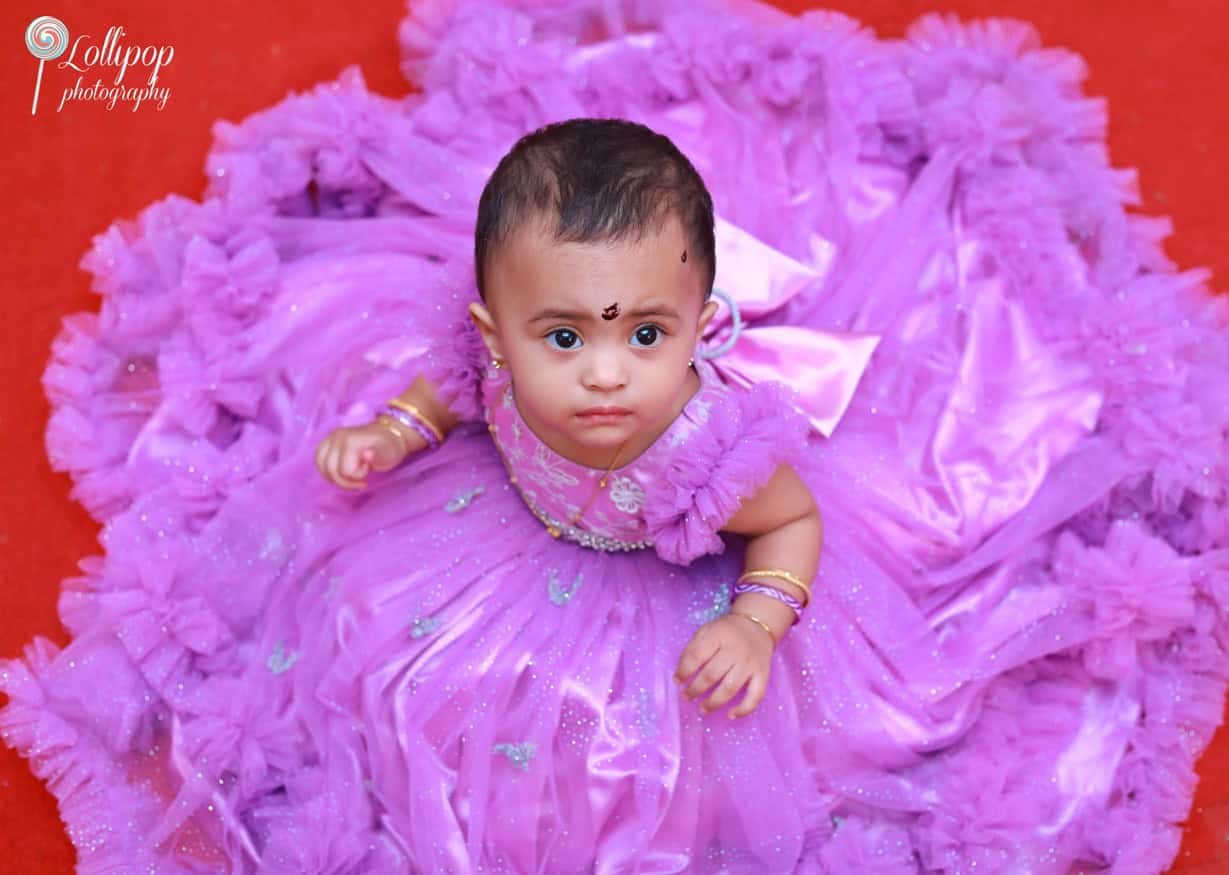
{"type": "Point", "coordinates": [455, 357]}
{"type": "Point", "coordinates": [747, 436]}
{"type": "Point", "coordinates": [436, 339]}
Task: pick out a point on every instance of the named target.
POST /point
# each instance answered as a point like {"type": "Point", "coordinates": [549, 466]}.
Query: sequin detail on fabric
{"type": "Point", "coordinates": [519, 754]}
{"type": "Point", "coordinates": [557, 593]}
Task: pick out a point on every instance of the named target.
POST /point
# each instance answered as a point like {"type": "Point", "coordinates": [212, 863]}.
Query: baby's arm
{"type": "Point", "coordinates": [422, 394]}
{"type": "Point", "coordinates": [347, 455]}
{"type": "Point", "coordinates": [785, 531]}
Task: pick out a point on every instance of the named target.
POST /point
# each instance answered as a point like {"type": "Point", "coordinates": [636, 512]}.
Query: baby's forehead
{"type": "Point", "coordinates": [594, 275]}
{"type": "Point", "coordinates": [536, 265]}
{"type": "Point", "coordinates": [544, 243]}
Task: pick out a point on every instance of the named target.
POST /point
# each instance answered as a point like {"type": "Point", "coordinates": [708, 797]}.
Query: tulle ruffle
{"type": "Point", "coordinates": [740, 448]}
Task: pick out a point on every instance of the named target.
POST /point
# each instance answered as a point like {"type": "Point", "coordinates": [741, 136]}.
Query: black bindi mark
{"type": "Point", "coordinates": [611, 312]}
{"type": "Point", "coordinates": [684, 255]}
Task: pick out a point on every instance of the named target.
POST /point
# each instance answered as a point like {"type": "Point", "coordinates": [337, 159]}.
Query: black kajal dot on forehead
{"type": "Point", "coordinates": [684, 255]}
{"type": "Point", "coordinates": [611, 312]}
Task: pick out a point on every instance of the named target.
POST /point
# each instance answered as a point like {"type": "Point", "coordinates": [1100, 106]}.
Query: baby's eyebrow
{"type": "Point", "coordinates": [576, 316]}
{"type": "Point", "coordinates": [569, 315]}
{"type": "Point", "coordinates": [654, 310]}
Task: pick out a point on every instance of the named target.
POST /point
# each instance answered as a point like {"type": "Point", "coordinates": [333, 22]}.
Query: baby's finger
{"type": "Point", "coordinates": [755, 695]}
{"type": "Point", "coordinates": [326, 460]}
{"type": "Point", "coordinates": [321, 448]}
{"type": "Point", "coordinates": [697, 652]}
{"type": "Point", "coordinates": [711, 674]}
{"type": "Point", "coordinates": [385, 457]}
{"type": "Point", "coordinates": [336, 474]}
{"type": "Point", "coordinates": [354, 470]}
{"type": "Point", "coordinates": [352, 466]}
{"type": "Point", "coordinates": [726, 690]}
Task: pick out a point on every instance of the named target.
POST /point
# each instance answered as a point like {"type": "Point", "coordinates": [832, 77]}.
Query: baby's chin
{"type": "Point", "coordinates": [602, 436]}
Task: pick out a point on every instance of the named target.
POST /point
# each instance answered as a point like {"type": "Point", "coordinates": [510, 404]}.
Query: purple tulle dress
{"type": "Point", "coordinates": [1009, 406]}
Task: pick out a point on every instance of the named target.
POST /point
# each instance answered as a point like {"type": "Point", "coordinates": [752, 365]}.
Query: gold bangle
{"type": "Point", "coordinates": [395, 427]}
{"type": "Point", "coordinates": [780, 574]}
{"type": "Point", "coordinates": [417, 414]}
{"type": "Point", "coordinates": [764, 625]}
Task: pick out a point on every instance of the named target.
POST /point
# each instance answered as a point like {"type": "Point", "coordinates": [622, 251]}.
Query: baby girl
{"type": "Point", "coordinates": [595, 259]}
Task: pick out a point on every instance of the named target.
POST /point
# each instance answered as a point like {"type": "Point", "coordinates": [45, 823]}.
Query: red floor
{"type": "Point", "coordinates": [66, 176]}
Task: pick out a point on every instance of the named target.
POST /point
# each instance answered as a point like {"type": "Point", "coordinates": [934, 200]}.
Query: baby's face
{"type": "Point", "coordinates": [584, 326]}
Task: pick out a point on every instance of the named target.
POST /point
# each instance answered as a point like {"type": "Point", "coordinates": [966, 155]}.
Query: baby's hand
{"type": "Point", "coordinates": [733, 651]}
{"type": "Point", "coordinates": [349, 453]}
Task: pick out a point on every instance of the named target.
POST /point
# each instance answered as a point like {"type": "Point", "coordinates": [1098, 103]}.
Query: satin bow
{"type": "Point", "coordinates": [822, 367]}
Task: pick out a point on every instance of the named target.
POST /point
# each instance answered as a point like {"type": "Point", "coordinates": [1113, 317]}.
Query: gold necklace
{"type": "Point", "coordinates": [601, 484]}
{"type": "Point", "coordinates": [551, 529]}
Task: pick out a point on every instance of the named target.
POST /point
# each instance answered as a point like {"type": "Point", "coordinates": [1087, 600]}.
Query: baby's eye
{"type": "Point", "coordinates": [647, 336]}
{"type": "Point", "coordinates": [564, 338]}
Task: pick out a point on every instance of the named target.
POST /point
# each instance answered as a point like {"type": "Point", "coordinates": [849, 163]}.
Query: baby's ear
{"type": "Point", "coordinates": [706, 313]}
{"type": "Point", "coordinates": [486, 327]}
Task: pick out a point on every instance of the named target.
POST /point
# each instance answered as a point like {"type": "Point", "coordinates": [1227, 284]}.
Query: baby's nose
{"type": "Point", "coordinates": [606, 373]}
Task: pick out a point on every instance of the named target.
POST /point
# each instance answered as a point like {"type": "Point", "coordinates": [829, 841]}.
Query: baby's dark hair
{"type": "Point", "coordinates": [605, 179]}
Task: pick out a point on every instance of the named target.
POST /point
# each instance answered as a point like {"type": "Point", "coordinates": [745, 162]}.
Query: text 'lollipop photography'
{"type": "Point", "coordinates": [108, 62]}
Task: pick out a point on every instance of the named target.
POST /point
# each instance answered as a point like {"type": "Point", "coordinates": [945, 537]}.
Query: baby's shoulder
{"type": "Point", "coordinates": [734, 440]}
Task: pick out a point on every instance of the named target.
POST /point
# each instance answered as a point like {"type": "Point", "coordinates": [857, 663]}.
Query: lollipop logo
{"type": "Point", "coordinates": [46, 39]}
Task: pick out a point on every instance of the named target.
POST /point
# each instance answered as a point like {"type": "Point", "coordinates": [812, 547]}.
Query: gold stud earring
{"type": "Point", "coordinates": [498, 363]}
{"type": "Point", "coordinates": [691, 363]}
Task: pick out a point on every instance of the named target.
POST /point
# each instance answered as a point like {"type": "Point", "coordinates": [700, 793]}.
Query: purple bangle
{"type": "Point", "coordinates": [771, 591]}
{"type": "Point", "coordinates": [406, 419]}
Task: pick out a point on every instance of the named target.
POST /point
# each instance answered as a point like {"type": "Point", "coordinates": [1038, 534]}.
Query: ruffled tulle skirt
{"type": "Point", "coordinates": [1017, 645]}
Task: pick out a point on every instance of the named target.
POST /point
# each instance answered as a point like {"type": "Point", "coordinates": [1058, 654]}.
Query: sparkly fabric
{"type": "Point", "coordinates": [1017, 644]}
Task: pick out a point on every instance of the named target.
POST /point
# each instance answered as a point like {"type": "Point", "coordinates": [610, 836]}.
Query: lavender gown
{"type": "Point", "coordinates": [1008, 404]}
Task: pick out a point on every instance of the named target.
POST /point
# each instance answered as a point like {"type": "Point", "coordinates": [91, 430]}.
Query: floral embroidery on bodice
{"type": "Point", "coordinates": [556, 489]}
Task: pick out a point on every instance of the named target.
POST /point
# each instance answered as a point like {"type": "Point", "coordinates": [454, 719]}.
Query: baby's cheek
{"type": "Point", "coordinates": [661, 389]}
{"type": "Point", "coordinates": [542, 401]}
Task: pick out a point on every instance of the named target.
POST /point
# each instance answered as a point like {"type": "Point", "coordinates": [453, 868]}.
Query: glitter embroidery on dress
{"type": "Point", "coordinates": [520, 753]}
{"type": "Point", "coordinates": [279, 661]}
{"type": "Point", "coordinates": [558, 594]}
{"type": "Point", "coordinates": [421, 626]}
{"type": "Point", "coordinates": [626, 494]}
{"type": "Point", "coordinates": [546, 469]}
{"type": "Point", "coordinates": [463, 500]}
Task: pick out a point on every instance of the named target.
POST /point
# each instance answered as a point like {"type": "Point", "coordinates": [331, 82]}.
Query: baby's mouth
{"type": "Point", "coordinates": [596, 415]}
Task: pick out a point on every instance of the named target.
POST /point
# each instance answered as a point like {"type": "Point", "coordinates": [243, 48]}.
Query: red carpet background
{"type": "Point", "coordinates": [67, 175]}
